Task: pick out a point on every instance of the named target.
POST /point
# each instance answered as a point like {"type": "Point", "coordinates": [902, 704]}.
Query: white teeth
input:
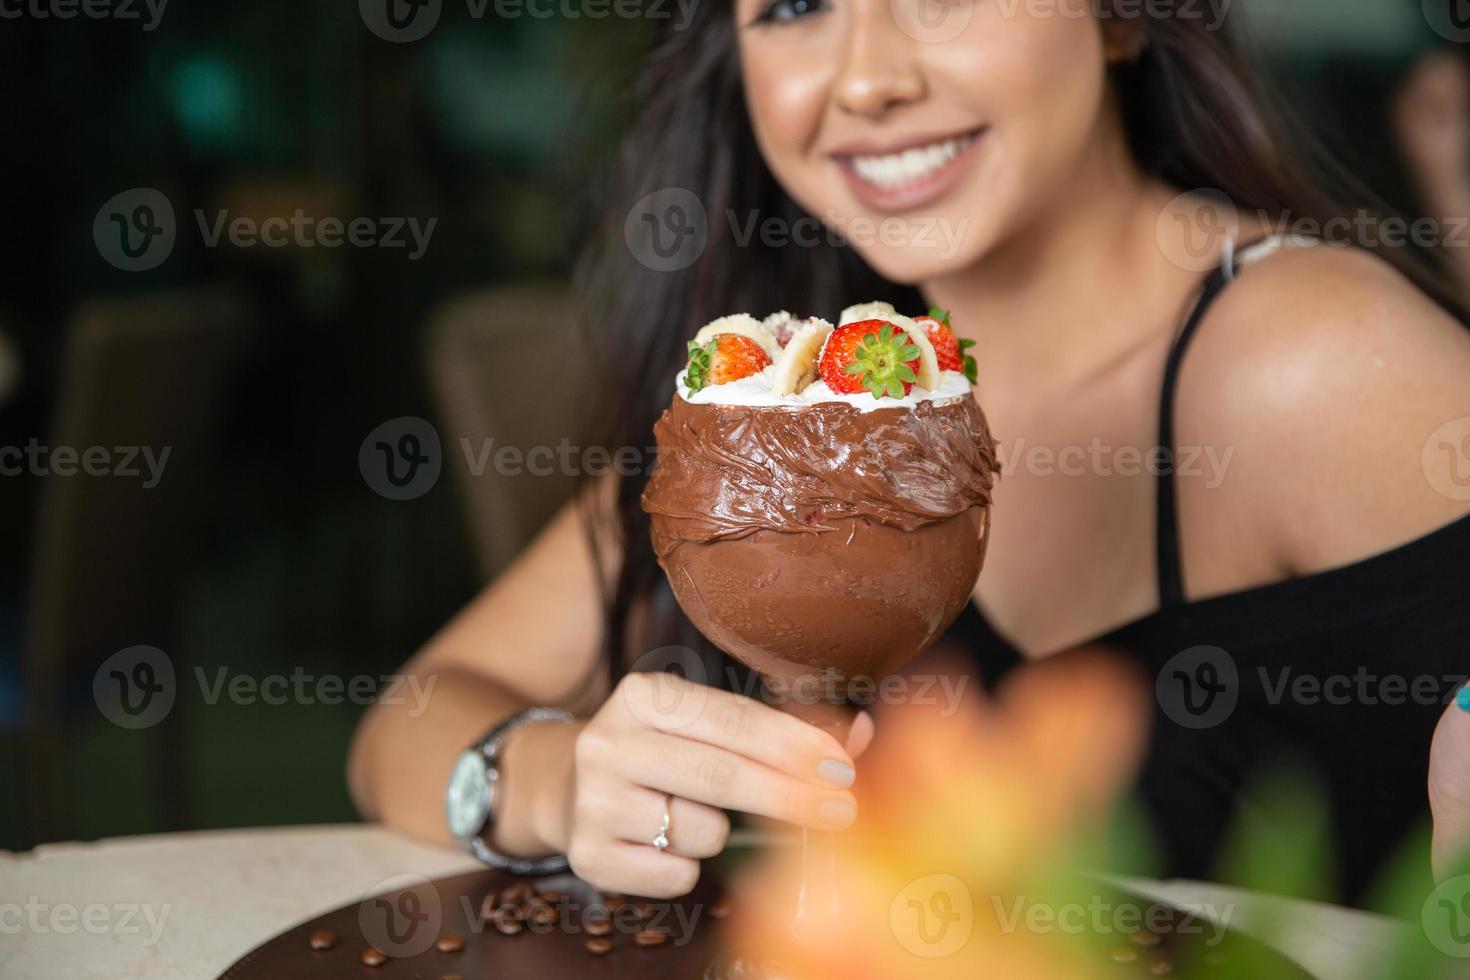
{"type": "Point", "coordinates": [910, 166]}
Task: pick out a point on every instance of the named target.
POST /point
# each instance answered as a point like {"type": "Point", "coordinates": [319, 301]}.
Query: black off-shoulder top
{"type": "Point", "coordinates": [1344, 674]}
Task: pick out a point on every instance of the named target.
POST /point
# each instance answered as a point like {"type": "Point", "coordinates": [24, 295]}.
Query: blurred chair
{"type": "Point", "coordinates": [506, 373]}
{"type": "Point", "coordinates": [111, 554]}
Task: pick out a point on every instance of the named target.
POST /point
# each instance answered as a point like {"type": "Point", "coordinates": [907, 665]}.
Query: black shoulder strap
{"type": "Point", "coordinates": [1170, 567]}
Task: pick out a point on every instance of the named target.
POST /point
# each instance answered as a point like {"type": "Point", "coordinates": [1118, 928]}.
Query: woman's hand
{"type": "Point", "coordinates": [1449, 788]}
{"type": "Point", "coordinates": [661, 738]}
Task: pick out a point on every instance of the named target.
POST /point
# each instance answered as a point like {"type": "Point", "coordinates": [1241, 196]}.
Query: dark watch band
{"type": "Point", "coordinates": [490, 746]}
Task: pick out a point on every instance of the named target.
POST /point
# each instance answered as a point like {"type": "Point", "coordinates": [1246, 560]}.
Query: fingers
{"type": "Point", "coordinates": [667, 703]}
{"type": "Point", "coordinates": [695, 830]}
{"type": "Point", "coordinates": [635, 869]}
{"type": "Point", "coordinates": [723, 779]}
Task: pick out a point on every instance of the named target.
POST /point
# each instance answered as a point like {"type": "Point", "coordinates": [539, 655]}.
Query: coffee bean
{"type": "Point", "coordinates": [373, 957]}
{"type": "Point", "coordinates": [508, 919]}
{"type": "Point", "coordinates": [323, 939]}
{"type": "Point", "coordinates": [1145, 938]}
{"type": "Point", "coordinates": [650, 937]}
{"type": "Point", "coordinates": [450, 944]}
{"type": "Point", "coordinates": [599, 947]}
{"type": "Point", "coordinates": [1125, 954]}
{"type": "Point", "coordinates": [551, 896]}
{"type": "Point", "coordinates": [515, 894]}
{"type": "Point", "coordinates": [721, 908]}
{"type": "Point", "coordinates": [452, 976]}
{"type": "Point", "coordinates": [1160, 968]}
{"type": "Point", "coordinates": [645, 911]}
{"type": "Point", "coordinates": [616, 902]}
{"type": "Point", "coordinates": [596, 926]}
{"type": "Point", "coordinates": [541, 914]}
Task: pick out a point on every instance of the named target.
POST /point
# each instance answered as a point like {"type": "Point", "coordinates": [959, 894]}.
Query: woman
{"type": "Point", "coordinates": [1060, 147]}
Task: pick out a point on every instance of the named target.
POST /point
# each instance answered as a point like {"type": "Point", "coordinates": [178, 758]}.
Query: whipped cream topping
{"type": "Point", "coordinates": [755, 392]}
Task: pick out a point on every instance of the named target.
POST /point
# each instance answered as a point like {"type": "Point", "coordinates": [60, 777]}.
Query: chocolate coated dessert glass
{"type": "Point", "coordinates": [821, 535]}
{"type": "Point", "coordinates": [822, 540]}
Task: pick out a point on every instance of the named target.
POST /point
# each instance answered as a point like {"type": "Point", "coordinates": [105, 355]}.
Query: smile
{"type": "Point", "coordinates": [897, 169]}
{"type": "Point", "coordinates": [907, 176]}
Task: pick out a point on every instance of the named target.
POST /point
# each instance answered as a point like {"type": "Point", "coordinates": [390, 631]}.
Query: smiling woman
{"type": "Point", "coordinates": [1107, 186]}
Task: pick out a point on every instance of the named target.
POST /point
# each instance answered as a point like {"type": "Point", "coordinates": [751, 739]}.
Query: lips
{"type": "Point", "coordinates": [900, 176]}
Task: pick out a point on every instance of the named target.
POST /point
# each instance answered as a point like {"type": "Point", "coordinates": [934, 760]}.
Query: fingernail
{"type": "Point", "coordinates": [839, 774]}
{"type": "Point", "coordinates": [837, 813]}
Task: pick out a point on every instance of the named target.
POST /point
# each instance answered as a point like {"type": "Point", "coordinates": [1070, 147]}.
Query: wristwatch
{"type": "Point", "coordinates": [469, 803]}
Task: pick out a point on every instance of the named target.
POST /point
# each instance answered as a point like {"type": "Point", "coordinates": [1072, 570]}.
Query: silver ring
{"type": "Point", "coordinates": [660, 841]}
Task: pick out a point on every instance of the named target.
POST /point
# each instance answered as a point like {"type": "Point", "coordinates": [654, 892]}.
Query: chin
{"type": "Point", "coordinates": [916, 266]}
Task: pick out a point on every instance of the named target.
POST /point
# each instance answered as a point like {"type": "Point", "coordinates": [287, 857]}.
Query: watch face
{"type": "Point", "coordinates": [466, 804]}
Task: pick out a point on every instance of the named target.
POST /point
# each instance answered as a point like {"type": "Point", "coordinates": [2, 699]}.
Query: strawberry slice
{"type": "Point", "coordinates": [728, 357]}
{"type": "Point", "coordinates": [870, 355]}
{"type": "Point", "coordinates": [949, 350]}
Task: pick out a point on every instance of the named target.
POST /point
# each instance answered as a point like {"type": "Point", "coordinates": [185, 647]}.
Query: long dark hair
{"type": "Point", "coordinates": [1195, 116]}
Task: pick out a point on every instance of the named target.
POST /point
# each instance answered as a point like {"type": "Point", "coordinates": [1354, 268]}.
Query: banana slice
{"type": "Point", "coordinates": [744, 325]}
{"type": "Point", "coordinates": [797, 366]}
{"type": "Point", "coordinates": [867, 311]}
{"type": "Point", "coordinates": [782, 325]}
{"type": "Point", "coordinates": [928, 361]}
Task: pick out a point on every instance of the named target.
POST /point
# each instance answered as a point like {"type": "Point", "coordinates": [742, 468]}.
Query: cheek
{"type": "Point", "coordinates": [786, 96]}
{"type": "Point", "coordinates": [1043, 79]}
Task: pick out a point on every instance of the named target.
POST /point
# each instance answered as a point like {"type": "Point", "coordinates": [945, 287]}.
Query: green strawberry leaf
{"type": "Point", "coordinates": [972, 370]}
{"type": "Point", "coordinates": [941, 315]}
{"type": "Point", "coordinates": [697, 374]}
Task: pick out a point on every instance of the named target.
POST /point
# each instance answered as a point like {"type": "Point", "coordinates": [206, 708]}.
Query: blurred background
{"type": "Point", "coordinates": [264, 458]}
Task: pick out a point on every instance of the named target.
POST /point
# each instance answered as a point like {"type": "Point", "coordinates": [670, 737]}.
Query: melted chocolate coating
{"type": "Point", "coordinates": [822, 538]}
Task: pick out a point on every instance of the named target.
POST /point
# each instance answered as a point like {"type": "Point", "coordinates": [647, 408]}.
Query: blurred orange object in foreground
{"type": "Point", "coordinates": [965, 824]}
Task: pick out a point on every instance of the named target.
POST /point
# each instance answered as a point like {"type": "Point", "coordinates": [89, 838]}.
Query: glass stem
{"type": "Point", "coordinates": [819, 898]}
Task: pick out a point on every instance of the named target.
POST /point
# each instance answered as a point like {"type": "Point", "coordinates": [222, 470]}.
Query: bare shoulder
{"type": "Point", "coordinates": [1325, 373]}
